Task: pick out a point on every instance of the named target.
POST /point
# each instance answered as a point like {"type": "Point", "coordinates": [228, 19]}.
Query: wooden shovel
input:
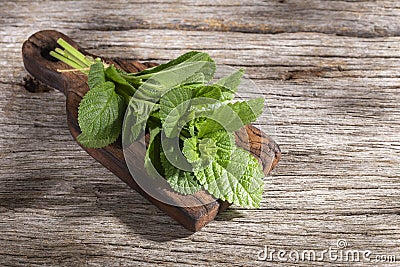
{"type": "Point", "coordinates": [203, 208]}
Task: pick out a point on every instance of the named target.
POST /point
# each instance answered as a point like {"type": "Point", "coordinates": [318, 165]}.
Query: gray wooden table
{"type": "Point", "coordinates": [329, 71]}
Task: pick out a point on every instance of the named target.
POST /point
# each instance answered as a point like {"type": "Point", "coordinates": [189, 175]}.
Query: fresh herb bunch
{"type": "Point", "coordinates": [183, 112]}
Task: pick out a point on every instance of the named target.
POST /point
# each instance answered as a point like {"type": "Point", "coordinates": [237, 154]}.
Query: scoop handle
{"type": "Point", "coordinates": [42, 66]}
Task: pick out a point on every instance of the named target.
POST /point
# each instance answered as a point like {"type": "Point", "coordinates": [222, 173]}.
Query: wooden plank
{"type": "Point", "coordinates": [192, 211]}
{"type": "Point", "coordinates": [349, 18]}
{"type": "Point", "coordinates": [335, 102]}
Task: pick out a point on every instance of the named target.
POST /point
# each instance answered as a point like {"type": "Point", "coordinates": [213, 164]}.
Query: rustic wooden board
{"type": "Point", "coordinates": [330, 76]}
{"type": "Point", "coordinates": [192, 211]}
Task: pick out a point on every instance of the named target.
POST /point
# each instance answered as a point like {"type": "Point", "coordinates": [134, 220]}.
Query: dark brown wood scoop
{"type": "Point", "coordinates": [43, 67]}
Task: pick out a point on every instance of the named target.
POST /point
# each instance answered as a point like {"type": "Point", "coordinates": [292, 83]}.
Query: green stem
{"type": "Point", "coordinates": [60, 51]}
{"type": "Point", "coordinates": [144, 76]}
{"type": "Point", "coordinates": [67, 61]}
{"type": "Point", "coordinates": [132, 80]}
{"type": "Point", "coordinates": [72, 50]}
{"type": "Point", "coordinates": [70, 56]}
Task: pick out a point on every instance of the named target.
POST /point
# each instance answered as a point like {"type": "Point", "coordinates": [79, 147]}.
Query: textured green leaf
{"type": "Point", "coordinates": [96, 75]}
{"type": "Point", "coordinates": [231, 173]}
{"type": "Point", "coordinates": [97, 142]}
{"type": "Point", "coordinates": [210, 91]}
{"type": "Point", "coordinates": [225, 143]}
{"type": "Point", "coordinates": [223, 117]}
{"type": "Point", "coordinates": [181, 181]}
{"type": "Point", "coordinates": [112, 74]}
{"type": "Point", "coordinates": [163, 81]}
{"type": "Point", "coordinates": [232, 81]}
{"type": "Point", "coordinates": [173, 107]}
{"type": "Point", "coordinates": [192, 56]}
{"type": "Point", "coordinates": [186, 69]}
{"type": "Point", "coordinates": [192, 127]}
{"type": "Point", "coordinates": [230, 84]}
{"type": "Point", "coordinates": [137, 115]}
{"type": "Point", "coordinates": [100, 112]}
{"type": "Point", "coordinates": [167, 77]}
{"type": "Point", "coordinates": [197, 78]}
{"type": "Point", "coordinates": [249, 110]}
{"type": "Point", "coordinates": [208, 147]}
{"type": "Point", "coordinates": [208, 126]}
{"type": "Point", "coordinates": [200, 152]}
{"type": "Point", "coordinates": [237, 179]}
{"type": "Point", "coordinates": [144, 101]}
{"type": "Point", "coordinates": [219, 144]}
{"type": "Point", "coordinates": [190, 149]}
{"type": "Point", "coordinates": [230, 117]}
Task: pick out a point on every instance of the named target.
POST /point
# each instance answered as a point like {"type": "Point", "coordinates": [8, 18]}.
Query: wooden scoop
{"type": "Point", "coordinates": [204, 208]}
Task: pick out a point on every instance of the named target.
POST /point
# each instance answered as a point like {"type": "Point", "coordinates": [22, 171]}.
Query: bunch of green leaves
{"type": "Point", "coordinates": [190, 120]}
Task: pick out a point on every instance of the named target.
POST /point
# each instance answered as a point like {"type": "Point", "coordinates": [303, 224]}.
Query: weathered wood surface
{"type": "Point", "coordinates": [330, 73]}
{"type": "Point", "coordinates": [192, 211]}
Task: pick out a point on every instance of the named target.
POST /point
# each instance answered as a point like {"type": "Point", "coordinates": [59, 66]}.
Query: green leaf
{"type": "Point", "coordinates": [200, 152]}
{"type": "Point", "coordinates": [230, 84]}
{"type": "Point", "coordinates": [190, 149]}
{"type": "Point", "coordinates": [181, 181]}
{"type": "Point", "coordinates": [143, 102]}
{"type": "Point", "coordinates": [145, 98]}
{"type": "Point", "coordinates": [222, 117]}
{"type": "Point", "coordinates": [173, 107]}
{"type": "Point", "coordinates": [230, 117]}
{"type": "Point", "coordinates": [237, 179]}
{"type": "Point", "coordinates": [187, 69]}
{"type": "Point", "coordinates": [232, 81]}
{"type": "Point", "coordinates": [97, 142]}
{"type": "Point", "coordinates": [152, 158]}
{"type": "Point", "coordinates": [137, 115]}
{"type": "Point", "coordinates": [210, 91]}
{"type": "Point", "coordinates": [197, 78]}
{"type": "Point", "coordinates": [178, 75]}
{"type": "Point", "coordinates": [100, 112]}
{"type": "Point", "coordinates": [191, 126]}
{"type": "Point", "coordinates": [219, 144]}
{"type": "Point", "coordinates": [208, 147]}
{"type": "Point", "coordinates": [197, 119]}
{"type": "Point", "coordinates": [224, 141]}
{"type": "Point", "coordinates": [249, 110]}
{"type": "Point", "coordinates": [231, 173]}
{"type": "Point", "coordinates": [122, 85]}
{"type": "Point", "coordinates": [192, 56]}
{"type": "Point", "coordinates": [96, 75]}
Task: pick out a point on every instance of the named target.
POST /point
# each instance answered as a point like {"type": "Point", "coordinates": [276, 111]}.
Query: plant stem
{"type": "Point", "coordinates": [73, 58]}
{"type": "Point", "coordinates": [133, 80]}
{"type": "Point", "coordinates": [144, 76]}
{"type": "Point", "coordinates": [73, 51]}
{"type": "Point", "coordinates": [67, 61]}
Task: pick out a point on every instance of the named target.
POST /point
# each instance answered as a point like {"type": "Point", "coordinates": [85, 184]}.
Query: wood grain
{"type": "Point", "coordinates": [331, 79]}
{"type": "Point", "coordinates": [192, 211]}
